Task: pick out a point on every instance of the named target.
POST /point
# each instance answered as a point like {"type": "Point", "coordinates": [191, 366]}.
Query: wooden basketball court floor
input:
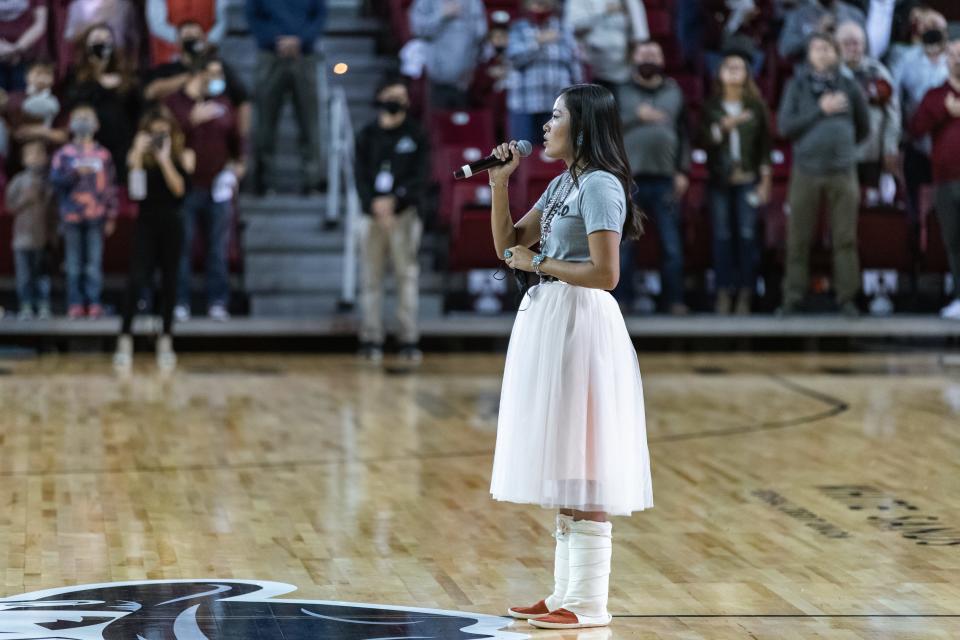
{"type": "Point", "coordinates": [797, 496]}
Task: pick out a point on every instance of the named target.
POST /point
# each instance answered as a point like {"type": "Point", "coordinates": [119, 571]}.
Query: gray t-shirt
{"type": "Point", "coordinates": [598, 204]}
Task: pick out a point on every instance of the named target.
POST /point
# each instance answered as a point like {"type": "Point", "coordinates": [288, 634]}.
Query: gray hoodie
{"type": "Point", "coordinates": [823, 144]}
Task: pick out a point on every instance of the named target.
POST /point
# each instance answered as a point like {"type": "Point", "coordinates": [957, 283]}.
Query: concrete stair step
{"type": "Point", "coordinates": [301, 282]}
{"type": "Point", "coordinates": [319, 266]}
{"type": "Point", "coordinates": [287, 306]}
{"type": "Point", "coordinates": [284, 205]}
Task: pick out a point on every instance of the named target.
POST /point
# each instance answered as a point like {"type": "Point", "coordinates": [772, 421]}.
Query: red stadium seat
{"type": "Point", "coordinates": [445, 160]}
{"type": "Point", "coordinates": [884, 239]}
{"type": "Point", "coordinates": [533, 177]}
{"type": "Point", "coordinates": [660, 22]}
{"type": "Point", "coordinates": [933, 251]}
{"type": "Point", "coordinates": [696, 228]}
{"type": "Point", "coordinates": [646, 250]}
{"type": "Point", "coordinates": [462, 128]}
{"type": "Point", "coordinates": [471, 244]}
{"type": "Point", "coordinates": [399, 20]}
{"type": "Point", "coordinates": [6, 239]}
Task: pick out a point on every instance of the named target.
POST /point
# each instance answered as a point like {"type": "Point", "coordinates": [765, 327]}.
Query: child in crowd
{"type": "Point", "coordinates": [37, 110]}
{"type": "Point", "coordinates": [84, 176]}
{"type": "Point", "coordinates": [29, 199]}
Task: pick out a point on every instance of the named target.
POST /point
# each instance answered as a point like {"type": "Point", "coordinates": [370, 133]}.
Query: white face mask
{"type": "Point", "coordinates": [42, 106]}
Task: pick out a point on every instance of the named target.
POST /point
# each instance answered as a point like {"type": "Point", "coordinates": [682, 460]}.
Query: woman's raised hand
{"type": "Point", "coordinates": [501, 175]}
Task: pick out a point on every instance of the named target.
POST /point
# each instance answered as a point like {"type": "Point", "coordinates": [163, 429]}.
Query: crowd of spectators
{"type": "Point", "coordinates": [859, 98]}
{"type": "Point", "coordinates": [856, 98]}
{"type": "Point", "coordinates": [76, 79]}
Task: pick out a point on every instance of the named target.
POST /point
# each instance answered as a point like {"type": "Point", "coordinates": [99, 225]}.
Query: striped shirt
{"type": "Point", "coordinates": [540, 72]}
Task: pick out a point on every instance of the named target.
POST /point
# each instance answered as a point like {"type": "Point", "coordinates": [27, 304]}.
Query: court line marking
{"type": "Point", "coordinates": [836, 407]}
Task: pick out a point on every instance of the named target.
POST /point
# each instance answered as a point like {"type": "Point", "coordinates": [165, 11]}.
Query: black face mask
{"type": "Point", "coordinates": [500, 50]}
{"type": "Point", "coordinates": [390, 106]}
{"type": "Point", "coordinates": [649, 70]}
{"type": "Point", "coordinates": [932, 36]}
{"type": "Point", "coordinates": [100, 50]}
{"type": "Point", "coordinates": [193, 46]}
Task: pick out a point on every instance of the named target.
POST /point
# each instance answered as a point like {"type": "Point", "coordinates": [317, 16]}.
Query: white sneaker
{"type": "Point", "coordinates": [181, 313]}
{"type": "Point", "coordinates": [166, 358]}
{"type": "Point", "coordinates": [123, 356]}
{"type": "Point", "coordinates": [218, 312]}
{"type": "Point", "coordinates": [951, 311]}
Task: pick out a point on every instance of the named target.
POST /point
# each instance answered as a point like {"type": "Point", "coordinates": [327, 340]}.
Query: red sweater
{"type": "Point", "coordinates": [932, 117]}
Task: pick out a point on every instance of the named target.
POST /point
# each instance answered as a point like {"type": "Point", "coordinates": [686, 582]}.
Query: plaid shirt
{"type": "Point", "coordinates": [85, 195]}
{"type": "Point", "coordinates": [539, 72]}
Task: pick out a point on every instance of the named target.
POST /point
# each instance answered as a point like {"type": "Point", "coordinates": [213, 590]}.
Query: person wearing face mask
{"type": "Point", "coordinates": [655, 131]}
{"type": "Point", "coordinates": [195, 49]}
{"type": "Point", "coordinates": [103, 79]}
{"type": "Point", "coordinates": [33, 113]}
{"type": "Point", "coordinates": [82, 173]}
{"type": "Point", "coordinates": [392, 171]}
{"type": "Point", "coordinates": [120, 16]}
{"type": "Point", "coordinates": [879, 154]}
{"type": "Point", "coordinates": [165, 18]}
{"type": "Point", "coordinates": [29, 198]}
{"type": "Point", "coordinates": [824, 114]}
{"type": "Point", "coordinates": [939, 116]}
{"type": "Point", "coordinates": [814, 16]}
{"type": "Point", "coordinates": [210, 123]}
{"type": "Point", "coordinates": [23, 23]}
{"type": "Point", "coordinates": [607, 30]}
{"type": "Point", "coordinates": [454, 31]}
{"type": "Point", "coordinates": [543, 61]}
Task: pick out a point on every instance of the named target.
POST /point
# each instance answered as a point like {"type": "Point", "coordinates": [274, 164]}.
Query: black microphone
{"type": "Point", "coordinates": [491, 161]}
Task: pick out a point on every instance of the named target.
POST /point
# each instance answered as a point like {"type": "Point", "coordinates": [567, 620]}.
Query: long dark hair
{"type": "Point", "coordinates": [178, 142]}
{"type": "Point", "coordinates": [595, 117]}
{"type": "Point", "coordinates": [119, 64]}
{"type": "Point", "coordinates": [751, 92]}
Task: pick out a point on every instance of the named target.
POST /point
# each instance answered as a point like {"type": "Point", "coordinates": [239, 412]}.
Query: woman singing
{"type": "Point", "coordinates": [571, 433]}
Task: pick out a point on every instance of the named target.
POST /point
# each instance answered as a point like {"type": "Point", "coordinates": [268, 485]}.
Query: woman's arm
{"type": "Point", "coordinates": [505, 233]}
{"type": "Point", "coordinates": [602, 271]}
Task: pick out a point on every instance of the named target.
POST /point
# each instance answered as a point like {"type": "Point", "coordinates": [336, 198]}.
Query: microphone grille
{"type": "Point", "coordinates": [524, 147]}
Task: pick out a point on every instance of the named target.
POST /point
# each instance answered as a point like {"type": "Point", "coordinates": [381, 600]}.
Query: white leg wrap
{"type": "Point", "coordinates": [561, 563]}
{"type": "Point", "coordinates": [590, 548]}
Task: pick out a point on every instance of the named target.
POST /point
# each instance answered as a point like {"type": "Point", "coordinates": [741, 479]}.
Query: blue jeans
{"type": "Point", "coordinates": [83, 248]}
{"type": "Point", "coordinates": [528, 126]}
{"type": "Point", "coordinates": [33, 285]}
{"type": "Point", "coordinates": [734, 235]}
{"type": "Point", "coordinates": [13, 77]}
{"type": "Point", "coordinates": [656, 197]}
{"type": "Point", "coordinates": [198, 206]}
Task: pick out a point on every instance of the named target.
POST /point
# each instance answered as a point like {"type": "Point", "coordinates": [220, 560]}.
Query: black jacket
{"type": "Point", "coordinates": [403, 152]}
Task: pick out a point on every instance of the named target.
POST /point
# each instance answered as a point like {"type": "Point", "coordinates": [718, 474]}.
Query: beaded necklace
{"type": "Point", "coordinates": [553, 207]}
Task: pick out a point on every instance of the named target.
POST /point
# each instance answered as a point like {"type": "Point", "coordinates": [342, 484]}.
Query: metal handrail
{"type": "Point", "coordinates": [342, 181]}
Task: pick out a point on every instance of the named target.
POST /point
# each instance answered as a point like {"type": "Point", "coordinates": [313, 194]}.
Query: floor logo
{"type": "Point", "coordinates": [222, 609]}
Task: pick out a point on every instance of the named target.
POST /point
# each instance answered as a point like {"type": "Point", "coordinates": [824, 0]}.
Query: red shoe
{"type": "Point", "coordinates": [563, 619]}
{"type": "Point", "coordinates": [95, 311]}
{"type": "Point", "coordinates": [526, 613]}
{"type": "Point", "coordinates": [75, 312]}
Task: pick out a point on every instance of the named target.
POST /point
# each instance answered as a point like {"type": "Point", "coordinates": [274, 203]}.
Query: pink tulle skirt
{"type": "Point", "coordinates": [571, 431]}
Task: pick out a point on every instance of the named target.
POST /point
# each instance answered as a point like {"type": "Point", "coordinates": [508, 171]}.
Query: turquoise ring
{"type": "Point", "coordinates": [508, 254]}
